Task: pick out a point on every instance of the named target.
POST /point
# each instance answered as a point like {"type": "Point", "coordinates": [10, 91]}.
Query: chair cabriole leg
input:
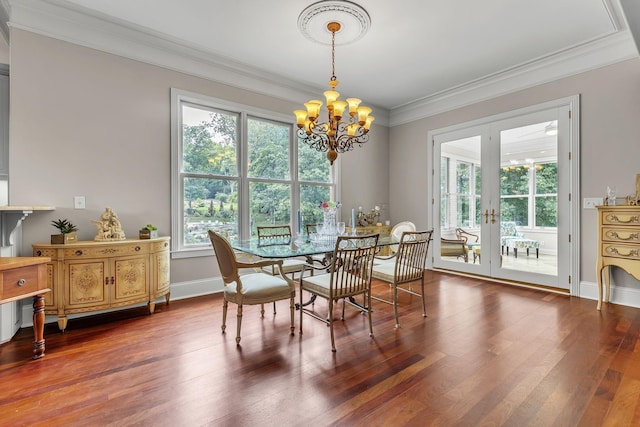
{"type": "Point", "coordinates": [239, 324]}
{"type": "Point", "coordinates": [333, 343]}
{"type": "Point", "coordinates": [395, 305]}
{"type": "Point", "coordinates": [225, 305]}
{"type": "Point", "coordinates": [292, 307]}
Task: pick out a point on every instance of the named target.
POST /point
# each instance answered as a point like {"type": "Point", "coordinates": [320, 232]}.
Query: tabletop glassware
{"type": "Point", "coordinates": [341, 228]}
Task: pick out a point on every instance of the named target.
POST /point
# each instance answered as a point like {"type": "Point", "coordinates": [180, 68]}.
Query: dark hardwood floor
{"type": "Point", "coordinates": [487, 354]}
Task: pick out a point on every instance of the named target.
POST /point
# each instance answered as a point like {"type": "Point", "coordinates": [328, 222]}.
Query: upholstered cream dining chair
{"type": "Point", "coordinates": [349, 274]}
{"type": "Point", "coordinates": [397, 230]}
{"type": "Point", "coordinates": [250, 289]}
{"type": "Point", "coordinates": [409, 267]}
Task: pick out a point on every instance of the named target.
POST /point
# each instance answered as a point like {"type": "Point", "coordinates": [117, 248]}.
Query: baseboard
{"type": "Point", "coordinates": [183, 290]}
{"type": "Point", "coordinates": [619, 294]}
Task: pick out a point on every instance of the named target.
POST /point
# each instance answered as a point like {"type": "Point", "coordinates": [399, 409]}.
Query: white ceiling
{"type": "Point", "coordinates": [416, 54]}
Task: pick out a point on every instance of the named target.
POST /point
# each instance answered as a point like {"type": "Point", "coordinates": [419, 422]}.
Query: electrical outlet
{"type": "Point", "coordinates": [592, 202]}
{"type": "Point", "coordinates": [78, 202]}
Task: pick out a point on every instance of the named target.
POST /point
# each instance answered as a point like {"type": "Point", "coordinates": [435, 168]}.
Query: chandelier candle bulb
{"type": "Point", "coordinates": [353, 105]}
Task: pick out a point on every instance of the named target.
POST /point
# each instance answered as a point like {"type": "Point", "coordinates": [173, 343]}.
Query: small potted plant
{"type": "Point", "coordinates": [67, 232]}
{"type": "Point", "coordinates": [149, 232]}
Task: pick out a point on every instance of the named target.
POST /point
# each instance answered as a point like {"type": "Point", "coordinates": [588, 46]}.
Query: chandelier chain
{"type": "Point", "coordinates": [333, 55]}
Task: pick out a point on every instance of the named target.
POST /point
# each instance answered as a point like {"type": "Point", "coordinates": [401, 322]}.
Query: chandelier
{"type": "Point", "coordinates": [347, 123]}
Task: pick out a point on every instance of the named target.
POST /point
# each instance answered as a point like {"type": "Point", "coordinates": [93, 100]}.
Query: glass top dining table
{"type": "Point", "coordinates": [302, 246]}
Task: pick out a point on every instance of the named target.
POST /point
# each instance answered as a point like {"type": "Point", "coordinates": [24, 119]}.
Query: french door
{"type": "Point", "coordinates": [502, 197]}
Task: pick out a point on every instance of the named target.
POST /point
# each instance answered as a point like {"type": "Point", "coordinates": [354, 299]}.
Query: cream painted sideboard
{"type": "Point", "coordinates": [618, 245]}
{"type": "Point", "coordinates": [89, 275]}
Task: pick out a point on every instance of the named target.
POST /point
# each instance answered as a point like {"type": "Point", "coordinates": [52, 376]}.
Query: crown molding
{"type": "Point", "coordinates": [608, 50]}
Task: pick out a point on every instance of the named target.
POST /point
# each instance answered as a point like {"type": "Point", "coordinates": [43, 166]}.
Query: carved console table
{"type": "Point", "coordinates": [618, 245]}
{"type": "Point", "coordinates": [89, 276]}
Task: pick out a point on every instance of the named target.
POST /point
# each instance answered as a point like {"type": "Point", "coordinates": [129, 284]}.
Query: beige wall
{"type": "Point", "coordinates": [88, 123]}
{"type": "Point", "coordinates": [4, 51]}
{"type": "Point", "coordinates": [610, 146]}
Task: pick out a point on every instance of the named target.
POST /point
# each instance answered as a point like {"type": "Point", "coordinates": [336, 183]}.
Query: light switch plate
{"type": "Point", "coordinates": [592, 202]}
{"type": "Point", "coordinates": [78, 202]}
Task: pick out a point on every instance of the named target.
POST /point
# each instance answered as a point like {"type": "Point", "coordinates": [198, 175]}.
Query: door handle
{"type": "Point", "coordinates": [486, 216]}
{"type": "Point", "coordinates": [493, 216]}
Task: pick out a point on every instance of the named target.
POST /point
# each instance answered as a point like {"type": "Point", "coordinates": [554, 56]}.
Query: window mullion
{"type": "Point", "coordinates": [243, 184]}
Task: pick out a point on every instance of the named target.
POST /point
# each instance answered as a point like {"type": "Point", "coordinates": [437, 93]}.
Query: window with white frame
{"type": "Point", "coordinates": [235, 168]}
{"type": "Point", "coordinates": [529, 194]}
{"type": "Point", "coordinates": [460, 183]}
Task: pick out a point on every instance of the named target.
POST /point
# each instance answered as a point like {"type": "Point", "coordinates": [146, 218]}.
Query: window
{"type": "Point", "coordinates": [546, 199]}
{"type": "Point", "coordinates": [514, 194]}
{"type": "Point", "coordinates": [460, 183]}
{"type": "Point", "coordinates": [529, 194]}
{"type": "Point", "coordinates": [235, 168]}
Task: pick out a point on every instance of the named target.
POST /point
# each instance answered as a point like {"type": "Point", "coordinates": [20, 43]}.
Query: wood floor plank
{"type": "Point", "coordinates": [486, 354]}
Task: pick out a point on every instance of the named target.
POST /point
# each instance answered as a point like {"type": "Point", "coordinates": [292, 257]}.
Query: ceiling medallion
{"type": "Point", "coordinates": [354, 21]}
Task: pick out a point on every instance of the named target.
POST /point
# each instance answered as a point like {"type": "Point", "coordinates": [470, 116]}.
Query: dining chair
{"type": "Point", "coordinates": [471, 240]}
{"type": "Point", "coordinates": [321, 259]}
{"type": "Point", "coordinates": [348, 275]}
{"type": "Point", "coordinates": [250, 289]}
{"type": "Point", "coordinates": [409, 266]}
{"type": "Point", "coordinates": [279, 235]}
{"type": "Point", "coordinates": [396, 233]}
{"type": "Point", "coordinates": [453, 247]}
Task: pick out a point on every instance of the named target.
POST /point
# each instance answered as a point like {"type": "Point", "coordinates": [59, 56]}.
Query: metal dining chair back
{"type": "Point", "coordinates": [409, 266]}
{"type": "Point", "coordinates": [348, 275]}
{"type": "Point", "coordinates": [274, 235]}
{"type": "Point", "coordinates": [279, 235]}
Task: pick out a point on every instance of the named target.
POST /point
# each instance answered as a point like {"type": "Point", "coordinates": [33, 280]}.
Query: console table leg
{"type": "Point", "coordinates": [38, 326]}
{"type": "Point", "coordinates": [607, 283]}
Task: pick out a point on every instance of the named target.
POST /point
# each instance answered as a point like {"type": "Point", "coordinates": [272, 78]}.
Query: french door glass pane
{"type": "Point", "coordinates": [460, 188]}
{"type": "Point", "coordinates": [528, 199]}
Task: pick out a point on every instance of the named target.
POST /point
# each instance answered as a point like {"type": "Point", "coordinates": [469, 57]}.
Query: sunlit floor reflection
{"type": "Point", "coordinates": [544, 264]}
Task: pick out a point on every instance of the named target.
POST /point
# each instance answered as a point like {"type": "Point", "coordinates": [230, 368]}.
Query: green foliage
{"type": "Point", "coordinates": [64, 226]}
{"type": "Point", "coordinates": [514, 180]}
{"type": "Point", "coordinates": [211, 189]}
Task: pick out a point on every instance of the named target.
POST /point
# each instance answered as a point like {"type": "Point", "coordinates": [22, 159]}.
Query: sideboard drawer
{"type": "Point", "coordinates": [620, 218]}
{"type": "Point", "coordinates": [621, 234]}
{"type": "Point", "coordinates": [621, 251]}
